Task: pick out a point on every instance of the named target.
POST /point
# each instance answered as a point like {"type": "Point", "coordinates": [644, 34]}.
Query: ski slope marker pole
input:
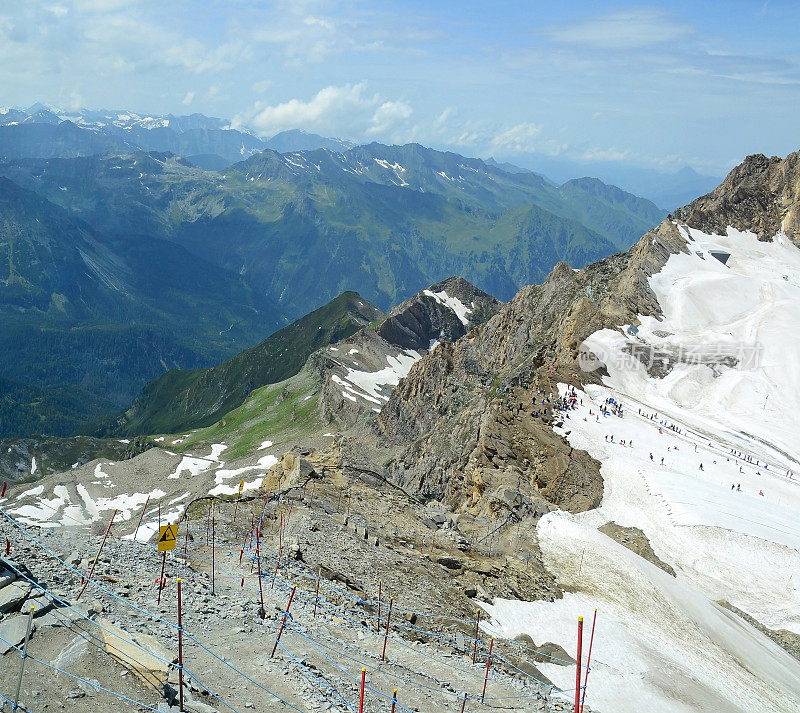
{"type": "Point", "coordinates": [361, 697]}
{"type": "Point", "coordinates": [141, 517]}
{"type": "Point", "coordinates": [386, 632]}
{"type": "Point", "coordinates": [464, 704]}
{"type": "Point", "coordinates": [283, 623]}
{"type": "Point", "coordinates": [578, 667]}
{"type": "Point", "coordinates": [394, 700]}
{"type": "Point", "coordinates": [488, 664]}
{"type": "Point", "coordinates": [91, 571]}
{"type": "Point", "coordinates": [588, 660]}
{"type": "Point", "coordinates": [180, 649]}
{"type": "Point", "coordinates": [5, 485]}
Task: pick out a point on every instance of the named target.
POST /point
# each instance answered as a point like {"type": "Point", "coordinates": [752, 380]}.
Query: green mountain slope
{"type": "Point", "coordinates": [180, 400]}
{"type": "Point", "coordinates": [89, 319]}
{"type": "Point", "coordinates": [386, 220]}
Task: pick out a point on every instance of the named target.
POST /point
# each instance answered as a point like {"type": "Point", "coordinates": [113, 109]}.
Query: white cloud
{"type": "Point", "coordinates": [387, 116]}
{"type": "Point", "coordinates": [517, 138]}
{"type": "Point", "coordinates": [346, 110]}
{"type": "Point", "coordinates": [188, 99]}
{"type": "Point", "coordinates": [262, 86]}
{"type": "Point", "coordinates": [624, 30]}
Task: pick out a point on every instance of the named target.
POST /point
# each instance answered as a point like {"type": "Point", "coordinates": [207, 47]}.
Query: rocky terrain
{"type": "Point", "coordinates": [762, 193]}
{"type": "Point", "coordinates": [454, 478]}
{"type": "Point", "coordinates": [359, 373]}
{"type": "Point", "coordinates": [359, 537]}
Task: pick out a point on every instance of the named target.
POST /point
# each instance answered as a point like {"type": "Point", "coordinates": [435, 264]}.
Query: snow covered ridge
{"type": "Point", "coordinates": [161, 480]}
{"type": "Point", "coordinates": [705, 461]}
{"type": "Point", "coordinates": [375, 386]}
{"type": "Point", "coordinates": [459, 308]}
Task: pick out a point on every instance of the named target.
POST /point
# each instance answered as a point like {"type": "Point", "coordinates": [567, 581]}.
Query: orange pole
{"type": "Point", "coordinates": [361, 697]}
{"type": "Point", "coordinates": [394, 700]}
{"type": "Point", "coordinates": [578, 667]}
{"type": "Point", "coordinates": [588, 659]}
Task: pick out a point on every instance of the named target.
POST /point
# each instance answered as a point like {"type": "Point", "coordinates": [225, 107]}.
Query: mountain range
{"type": "Point", "coordinates": [126, 262]}
{"type": "Point", "coordinates": [449, 450]}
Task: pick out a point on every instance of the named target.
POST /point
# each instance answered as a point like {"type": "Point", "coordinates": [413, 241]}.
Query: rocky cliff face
{"type": "Point", "coordinates": [358, 374]}
{"type": "Point", "coordinates": [454, 421]}
{"type": "Point", "coordinates": [760, 194]}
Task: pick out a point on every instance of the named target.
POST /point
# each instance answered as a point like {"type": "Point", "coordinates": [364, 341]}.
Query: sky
{"type": "Point", "coordinates": [698, 84]}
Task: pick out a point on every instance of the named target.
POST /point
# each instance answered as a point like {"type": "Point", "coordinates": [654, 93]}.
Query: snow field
{"type": "Point", "coordinates": [729, 385]}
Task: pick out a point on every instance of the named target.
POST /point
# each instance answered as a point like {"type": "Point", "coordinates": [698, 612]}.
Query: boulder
{"type": "Point", "coordinates": [13, 595]}
{"type": "Point", "coordinates": [141, 654]}
{"type": "Point", "coordinates": [13, 630]}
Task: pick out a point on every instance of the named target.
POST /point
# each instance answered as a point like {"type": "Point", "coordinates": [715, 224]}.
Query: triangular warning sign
{"type": "Point", "coordinates": [167, 534]}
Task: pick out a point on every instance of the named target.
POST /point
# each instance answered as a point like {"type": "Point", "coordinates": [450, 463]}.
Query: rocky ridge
{"type": "Point", "coordinates": [359, 373]}
{"type": "Point", "coordinates": [761, 194]}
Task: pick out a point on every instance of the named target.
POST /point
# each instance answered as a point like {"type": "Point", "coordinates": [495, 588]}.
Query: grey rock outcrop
{"type": "Point", "coordinates": [760, 195]}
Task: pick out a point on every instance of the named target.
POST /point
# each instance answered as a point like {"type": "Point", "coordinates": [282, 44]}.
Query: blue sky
{"type": "Point", "coordinates": [657, 86]}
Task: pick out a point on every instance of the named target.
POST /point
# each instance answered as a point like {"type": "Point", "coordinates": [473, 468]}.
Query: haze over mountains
{"type": "Point", "coordinates": [126, 257]}
{"type": "Point", "coordinates": [46, 132]}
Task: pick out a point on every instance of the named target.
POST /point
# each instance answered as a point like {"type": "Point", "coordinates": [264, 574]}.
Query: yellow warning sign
{"type": "Point", "coordinates": [241, 485]}
{"type": "Point", "coordinates": [167, 535]}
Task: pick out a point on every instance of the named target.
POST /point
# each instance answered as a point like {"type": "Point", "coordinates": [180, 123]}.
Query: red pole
{"type": "Point", "coordinates": [260, 585]}
{"type": "Point", "coordinates": [464, 704]}
{"type": "Point", "coordinates": [141, 517]}
{"type": "Point", "coordinates": [5, 485]}
{"type": "Point", "coordinates": [316, 597]}
{"type": "Point", "coordinates": [180, 649]}
{"type": "Point", "coordinates": [380, 589]}
{"type": "Point", "coordinates": [588, 659]}
{"type": "Point", "coordinates": [361, 697]}
{"type": "Point", "coordinates": [475, 643]}
{"type": "Point", "coordinates": [394, 700]}
{"type": "Point", "coordinates": [578, 667]}
{"type": "Point", "coordinates": [488, 663]}
{"type": "Point", "coordinates": [161, 578]}
{"type": "Point", "coordinates": [91, 571]}
{"type": "Point", "coordinates": [386, 632]}
{"type": "Point", "coordinates": [283, 623]}
{"type": "Point", "coordinates": [8, 547]}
